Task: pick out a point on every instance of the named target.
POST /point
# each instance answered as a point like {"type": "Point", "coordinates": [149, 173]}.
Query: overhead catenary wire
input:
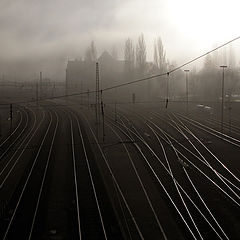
{"type": "Point", "coordinates": [135, 81]}
{"type": "Point", "coordinates": [173, 70]}
{"type": "Point", "coordinates": [203, 55]}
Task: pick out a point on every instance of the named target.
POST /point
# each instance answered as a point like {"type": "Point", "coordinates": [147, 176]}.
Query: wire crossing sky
{"type": "Point", "coordinates": [173, 70]}
{"type": "Point", "coordinates": [138, 80]}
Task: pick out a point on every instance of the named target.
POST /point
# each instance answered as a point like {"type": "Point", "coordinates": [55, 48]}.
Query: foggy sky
{"type": "Point", "coordinates": [44, 31]}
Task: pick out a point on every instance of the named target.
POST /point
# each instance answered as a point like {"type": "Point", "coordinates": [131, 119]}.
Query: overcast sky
{"type": "Point", "coordinates": [40, 29]}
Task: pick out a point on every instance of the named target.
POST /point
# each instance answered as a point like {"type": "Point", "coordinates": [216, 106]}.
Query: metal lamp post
{"type": "Point", "coordinates": [186, 71]}
{"type": "Point", "coordinates": [223, 67]}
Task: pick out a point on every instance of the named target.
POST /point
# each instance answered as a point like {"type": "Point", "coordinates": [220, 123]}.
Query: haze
{"type": "Point", "coordinates": [42, 35]}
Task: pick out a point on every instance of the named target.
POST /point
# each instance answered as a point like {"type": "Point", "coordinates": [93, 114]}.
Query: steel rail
{"type": "Point", "coordinates": [19, 156]}
{"type": "Point", "coordinates": [44, 175]}
{"type": "Point", "coordinates": [91, 177]}
{"type": "Point", "coordinates": [115, 180]}
{"type": "Point", "coordinates": [26, 182]}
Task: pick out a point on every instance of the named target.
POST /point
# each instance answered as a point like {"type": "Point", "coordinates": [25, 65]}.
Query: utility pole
{"type": "Point", "coordinates": [81, 96]}
{"type": "Point", "coordinates": [40, 85]}
{"type": "Point", "coordinates": [0, 125]}
{"type": "Point", "coordinates": [53, 89]}
{"type": "Point", "coordinates": [115, 110]}
{"type": "Point", "coordinates": [102, 107]}
{"type": "Point", "coordinates": [97, 97]}
{"type": "Point", "coordinates": [88, 98]}
{"type": "Point", "coordinates": [223, 67]}
{"type": "Point", "coordinates": [37, 92]}
{"type": "Point", "coordinates": [66, 85]}
{"type": "Point", "coordinates": [229, 111]}
{"type": "Point", "coordinates": [11, 117]}
{"type": "Point", "coordinates": [186, 71]}
{"type": "Point", "coordinates": [167, 95]}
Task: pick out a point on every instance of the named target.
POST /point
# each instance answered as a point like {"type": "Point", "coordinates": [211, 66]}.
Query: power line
{"type": "Point", "coordinates": [138, 80]}
{"type": "Point", "coordinates": [130, 102]}
{"type": "Point", "coordinates": [173, 70]}
{"type": "Point", "coordinates": [55, 97]}
{"type": "Point", "coordinates": [203, 55]}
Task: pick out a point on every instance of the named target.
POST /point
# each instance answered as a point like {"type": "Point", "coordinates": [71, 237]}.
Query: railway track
{"type": "Point", "coordinates": [89, 214]}
{"type": "Point", "coordinates": [9, 141]}
{"type": "Point", "coordinates": [214, 225]}
{"type": "Point", "coordinates": [21, 206]}
{"type": "Point", "coordinates": [150, 174]}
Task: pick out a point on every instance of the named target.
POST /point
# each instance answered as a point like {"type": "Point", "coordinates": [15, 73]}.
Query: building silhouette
{"type": "Point", "coordinates": [81, 74]}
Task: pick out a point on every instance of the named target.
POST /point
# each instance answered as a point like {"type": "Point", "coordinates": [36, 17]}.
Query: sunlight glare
{"type": "Point", "coordinates": [214, 20]}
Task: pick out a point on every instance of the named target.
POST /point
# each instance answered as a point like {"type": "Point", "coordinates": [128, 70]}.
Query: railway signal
{"type": "Point", "coordinates": [10, 113]}
{"type": "Point", "coordinates": [166, 103]}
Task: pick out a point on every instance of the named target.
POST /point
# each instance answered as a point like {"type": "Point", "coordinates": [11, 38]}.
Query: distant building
{"type": "Point", "coordinates": [81, 74]}
{"type": "Point", "coordinates": [81, 77]}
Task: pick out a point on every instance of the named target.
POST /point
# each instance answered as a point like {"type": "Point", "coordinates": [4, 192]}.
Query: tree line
{"type": "Point", "coordinates": [203, 84]}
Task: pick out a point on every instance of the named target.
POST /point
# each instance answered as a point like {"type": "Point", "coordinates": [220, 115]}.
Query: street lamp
{"type": "Point", "coordinates": [186, 71]}
{"type": "Point", "coordinates": [223, 67]}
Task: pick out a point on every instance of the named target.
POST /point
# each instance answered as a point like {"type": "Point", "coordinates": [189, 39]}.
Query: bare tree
{"type": "Point", "coordinates": [159, 55]}
{"type": "Point", "coordinates": [91, 53]}
{"type": "Point", "coordinates": [129, 63]}
{"type": "Point", "coordinates": [208, 62]}
{"type": "Point", "coordinates": [231, 57]}
{"type": "Point", "coordinates": [114, 52]}
{"type": "Point", "coordinates": [215, 56]}
{"type": "Point", "coordinates": [155, 55]}
{"type": "Point", "coordinates": [141, 55]}
{"type": "Point", "coordinates": [160, 64]}
{"type": "Point", "coordinates": [129, 56]}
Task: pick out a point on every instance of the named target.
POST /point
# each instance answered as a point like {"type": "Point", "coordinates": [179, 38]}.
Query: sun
{"type": "Point", "coordinates": [208, 21]}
